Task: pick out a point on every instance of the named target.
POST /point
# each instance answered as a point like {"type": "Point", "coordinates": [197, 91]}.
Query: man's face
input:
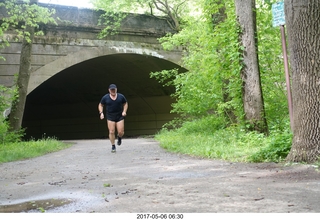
{"type": "Point", "coordinates": [112, 91]}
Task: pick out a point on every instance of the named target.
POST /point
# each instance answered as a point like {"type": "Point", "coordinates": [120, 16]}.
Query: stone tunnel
{"type": "Point", "coordinates": [71, 70]}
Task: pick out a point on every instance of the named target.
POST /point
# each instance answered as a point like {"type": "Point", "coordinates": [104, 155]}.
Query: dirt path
{"type": "Point", "coordinates": [143, 178]}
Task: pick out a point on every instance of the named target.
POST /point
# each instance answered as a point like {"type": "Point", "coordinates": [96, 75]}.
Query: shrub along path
{"type": "Point", "coordinates": [143, 178]}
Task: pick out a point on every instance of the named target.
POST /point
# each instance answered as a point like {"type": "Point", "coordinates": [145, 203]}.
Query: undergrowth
{"type": "Point", "coordinates": [204, 138]}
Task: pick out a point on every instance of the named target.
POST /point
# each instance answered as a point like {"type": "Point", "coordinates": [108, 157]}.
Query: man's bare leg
{"type": "Point", "coordinates": [120, 130]}
{"type": "Point", "coordinates": [112, 137]}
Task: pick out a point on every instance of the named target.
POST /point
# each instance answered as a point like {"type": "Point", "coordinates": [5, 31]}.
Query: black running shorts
{"type": "Point", "coordinates": [115, 118]}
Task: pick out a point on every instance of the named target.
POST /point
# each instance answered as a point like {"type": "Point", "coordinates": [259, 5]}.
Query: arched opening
{"type": "Point", "coordinates": [65, 105]}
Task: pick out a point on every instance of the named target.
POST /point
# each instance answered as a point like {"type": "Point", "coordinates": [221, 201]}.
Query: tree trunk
{"type": "Point", "coordinates": [302, 20]}
{"type": "Point", "coordinates": [251, 92]}
{"type": "Point", "coordinates": [17, 109]}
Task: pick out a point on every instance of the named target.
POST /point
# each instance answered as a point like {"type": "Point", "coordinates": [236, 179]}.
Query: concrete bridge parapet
{"type": "Point", "coordinates": [77, 32]}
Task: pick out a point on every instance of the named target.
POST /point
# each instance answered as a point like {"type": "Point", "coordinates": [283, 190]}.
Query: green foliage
{"type": "Point", "coordinates": [9, 137]}
{"type": "Point", "coordinates": [276, 149]}
{"type": "Point", "coordinates": [208, 139]}
{"type": "Point", "coordinates": [7, 96]}
{"type": "Point", "coordinates": [205, 125]}
{"type": "Point", "coordinates": [212, 84]}
{"type": "Point", "coordinates": [212, 60]}
{"type": "Point", "coordinates": [106, 185]}
{"type": "Point", "coordinates": [165, 76]}
{"type": "Point", "coordinates": [272, 69]}
{"type": "Point", "coordinates": [211, 88]}
{"type": "Point", "coordinates": [20, 15]}
{"type": "Point", "coordinates": [120, 5]}
{"type": "Point", "coordinates": [41, 209]}
{"type": "Point", "coordinates": [116, 12]}
{"type": "Point", "coordinates": [33, 148]}
{"type": "Point", "coordinates": [111, 21]}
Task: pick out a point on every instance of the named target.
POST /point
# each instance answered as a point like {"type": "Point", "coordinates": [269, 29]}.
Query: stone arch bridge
{"type": "Point", "coordinates": [72, 68]}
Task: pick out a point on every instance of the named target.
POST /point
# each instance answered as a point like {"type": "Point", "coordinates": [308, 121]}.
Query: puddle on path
{"type": "Point", "coordinates": [39, 206]}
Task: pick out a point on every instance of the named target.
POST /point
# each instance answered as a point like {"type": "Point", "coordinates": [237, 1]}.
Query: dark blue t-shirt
{"type": "Point", "coordinates": [113, 107]}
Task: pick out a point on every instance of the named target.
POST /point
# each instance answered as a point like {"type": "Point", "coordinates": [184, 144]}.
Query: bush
{"type": "Point", "coordinates": [276, 149]}
{"type": "Point", "coordinates": [207, 125]}
{"type": "Point", "coordinates": [6, 136]}
{"type": "Point", "coordinates": [6, 98]}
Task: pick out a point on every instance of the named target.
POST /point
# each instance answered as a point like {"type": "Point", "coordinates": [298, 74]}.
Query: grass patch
{"type": "Point", "coordinates": [230, 144]}
{"type": "Point", "coordinates": [222, 144]}
{"type": "Point", "coordinates": [29, 149]}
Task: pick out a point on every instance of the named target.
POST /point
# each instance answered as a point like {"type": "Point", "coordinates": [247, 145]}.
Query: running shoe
{"type": "Point", "coordinates": [119, 141]}
{"type": "Point", "coordinates": [113, 150]}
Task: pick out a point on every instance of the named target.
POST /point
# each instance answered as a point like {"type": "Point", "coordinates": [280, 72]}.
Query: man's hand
{"type": "Point", "coordinates": [100, 109]}
{"type": "Point", "coordinates": [124, 114]}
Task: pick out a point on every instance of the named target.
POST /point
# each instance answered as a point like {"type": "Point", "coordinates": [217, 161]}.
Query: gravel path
{"type": "Point", "coordinates": [143, 178]}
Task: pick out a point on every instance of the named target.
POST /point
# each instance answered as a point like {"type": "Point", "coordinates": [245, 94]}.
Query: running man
{"type": "Point", "coordinates": [116, 109]}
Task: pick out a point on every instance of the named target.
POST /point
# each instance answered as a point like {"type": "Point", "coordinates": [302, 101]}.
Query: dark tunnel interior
{"type": "Point", "coordinates": [65, 106]}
